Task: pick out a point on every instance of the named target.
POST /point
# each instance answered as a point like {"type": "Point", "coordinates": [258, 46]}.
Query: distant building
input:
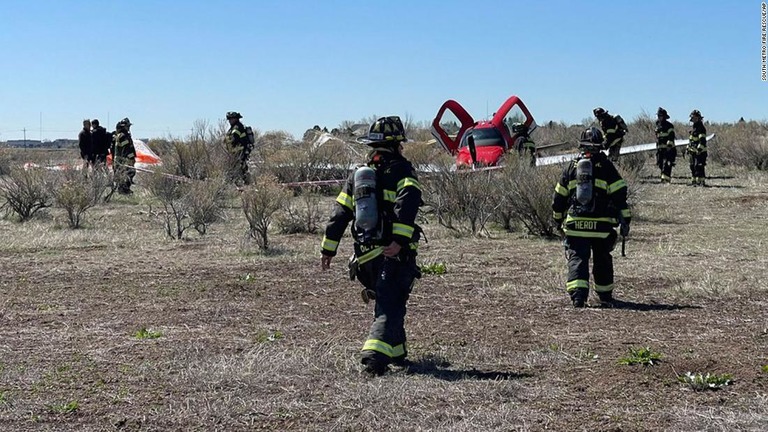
{"type": "Point", "coordinates": [30, 143]}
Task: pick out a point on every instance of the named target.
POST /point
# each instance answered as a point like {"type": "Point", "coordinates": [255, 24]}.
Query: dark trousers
{"type": "Point", "coordinates": [665, 160]}
{"type": "Point", "coordinates": [392, 281]}
{"type": "Point", "coordinates": [578, 251]}
{"type": "Point", "coordinates": [697, 161]}
{"type": "Point", "coordinates": [124, 173]}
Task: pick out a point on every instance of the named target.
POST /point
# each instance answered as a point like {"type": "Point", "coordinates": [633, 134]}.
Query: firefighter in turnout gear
{"type": "Point", "coordinates": [697, 149]}
{"type": "Point", "coordinates": [123, 156]}
{"type": "Point", "coordinates": [666, 153]}
{"type": "Point", "coordinates": [523, 143]}
{"type": "Point", "coordinates": [614, 129]}
{"type": "Point", "coordinates": [590, 200]}
{"type": "Point", "coordinates": [238, 145]}
{"type": "Point", "coordinates": [381, 199]}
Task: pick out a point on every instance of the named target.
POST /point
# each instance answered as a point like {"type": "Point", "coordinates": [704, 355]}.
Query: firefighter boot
{"type": "Point", "coordinates": [374, 363]}
{"type": "Point", "coordinates": [579, 297]}
{"type": "Point", "coordinates": [606, 299]}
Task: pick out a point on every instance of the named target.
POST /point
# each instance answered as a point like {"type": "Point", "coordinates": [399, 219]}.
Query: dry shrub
{"type": "Point", "coordinates": [186, 204]}
{"type": "Point", "coordinates": [297, 161]}
{"type": "Point", "coordinates": [744, 144]}
{"type": "Point", "coordinates": [6, 161]}
{"type": "Point", "coordinates": [261, 202]}
{"type": "Point", "coordinates": [462, 201]}
{"type": "Point", "coordinates": [422, 154]}
{"type": "Point", "coordinates": [77, 191]}
{"type": "Point", "coordinates": [26, 191]}
{"type": "Point", "coordinates": [526, 196]}
{"type": "Point", "coordinates": [301, 214]}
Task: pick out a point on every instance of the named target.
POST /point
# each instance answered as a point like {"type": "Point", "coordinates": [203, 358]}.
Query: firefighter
{"type": "Point", "coordinates": [590, 200]}
{"type": "Point", "coordinates": [523, 143]}
{"type": "Point", "coordinates": [123, 156]}
{"type": "Point", "coordinates": [386, 237]}
{"type": "Point", "coordinates": [666, 153]}
{"type": "Point", "coordinates": [238, 146]}
{"type": "Point", "coordinates": [697, 148]}
{"type": "Point", "coordinates": [614, 129]}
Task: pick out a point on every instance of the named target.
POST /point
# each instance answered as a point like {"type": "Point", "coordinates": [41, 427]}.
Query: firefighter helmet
{"type": "Point", "coordinates": [599, 112]}
{"type": "Point", "coordinates": [696, 113]}
{"type": "Point", "coordinates": [591, 135]}
{"type": "Point", "coordinates": [233, 115]}
{"type": "Point", "coordinates": [661, 112]}
{"type": "Point", "coordinates": [385, 130]}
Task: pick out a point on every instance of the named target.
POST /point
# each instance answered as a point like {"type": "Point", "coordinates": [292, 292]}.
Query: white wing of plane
{"type": "Point", "coordinates": [551, 160]}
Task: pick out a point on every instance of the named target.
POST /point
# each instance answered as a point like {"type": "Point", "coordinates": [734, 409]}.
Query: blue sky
{"type": "Point", "coordinates": [291, 64]}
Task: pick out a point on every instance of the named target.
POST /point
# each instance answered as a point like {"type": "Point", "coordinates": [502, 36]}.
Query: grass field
{"type": "Point", "coordinates": [113, 327]}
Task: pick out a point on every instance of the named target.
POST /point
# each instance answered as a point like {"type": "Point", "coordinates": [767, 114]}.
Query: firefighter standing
{"type": "Point", "coordinates": [385, 258]}
{"type": "Point", "coordinates": [238, 145]}
{"type": "Point", "coordinates": [614, 132]}
{"type": "Point", "coordinates": [523, 143]}
{"type": "Point", "coordinates": [697, 149]}
{"type": "Point", "coordinates": [123, 156]}
{"type": "Point", "coordinates": [666, 153]}
{"type": "Point", "coordinates": [591, 199]}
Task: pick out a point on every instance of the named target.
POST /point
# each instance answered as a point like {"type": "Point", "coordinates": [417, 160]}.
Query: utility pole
{"type": "Point", "coordinates": [25, 137]}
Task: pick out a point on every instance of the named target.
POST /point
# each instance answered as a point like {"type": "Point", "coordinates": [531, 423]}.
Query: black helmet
{"type": "Point", "coordinates": [123, 124]}
{"type": "Point", "coordinates": [519, 127]}
{"type": "Point", "coordinates": [696, 113]}
{"type": "Point", "coordinates": [661, 112]}
{"type": "Point", "coordinates": [233, 115]}
{"type": "Point", "coordinates": [385, 130]}
{"type": "Point", "coordinates": [598, 112]}
{"type": "Point", "coordinates": [591, 135]}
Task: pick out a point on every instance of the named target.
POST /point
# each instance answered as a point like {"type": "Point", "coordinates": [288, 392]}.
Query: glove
{"type": "Point", "coordinates": [624, 229]}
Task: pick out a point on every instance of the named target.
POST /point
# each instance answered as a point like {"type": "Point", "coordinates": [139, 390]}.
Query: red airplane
{"type": "Point", "coordinates": [455, 130]}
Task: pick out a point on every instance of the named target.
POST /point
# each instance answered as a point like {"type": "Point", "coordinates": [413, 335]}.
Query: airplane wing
{"type": "Point", "coordinates": [556, 159]}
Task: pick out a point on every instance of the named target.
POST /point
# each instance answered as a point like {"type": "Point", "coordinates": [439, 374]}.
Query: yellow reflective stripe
{"type": "Point", "coordinates": [557, 215]}
{"type": "Point", "coordinates": [402, 229]}
{"type": "Point", "coordinates": [627, 213]}
{"type": "Point", "coordinates": [561, 190]}
{"type": "Point", "coordinates": [408, 181]}
{"type": "Point", "coordinates": [607, 131]}
{"type": "Point", "coordinates": [616, 186]}
{"type": "Point", "coordinates": [602, 184]}
{"type": "Point", "coordinates": [702, 136]}
{"type": "Point", "coordinates": [123, 143]}
{"type": "Point", "coordinates": [591, 219]}
{"type": "Point", "coordinates": [390, 195]}
{"type": "Point", "coordinates": [384, 348]}
{"type": "Point", "coordinates": [572, 184]}
{"type": "Point", "coordinates": [240, 134]}
{"type": "Point", "coordinates": [370, 255]}
{"type": "Point", "coordinates": [345, 200]}
{"type": "Point", "coordinates": [585, 234]}
{"type": "Point", "coordinates": [576, 284]}
{"type": "Point", "coordinates": [615, 141]}
{"type": "Point", "coordinates": [414, 245]}
{"type": "Point", "coordinates": [603, 288]}
{"type": "Point", "coordinates": [329, 244]}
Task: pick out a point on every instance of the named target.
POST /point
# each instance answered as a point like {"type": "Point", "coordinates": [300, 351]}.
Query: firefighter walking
{"type": "Point", "coordinates": [523, 143]}
{"type": "Point", "coordinates": [614, 129]}
{"type": "Point", "coordinates": [697, 149]}
{"type": "Point", "coordinates": [666, 153]}
{"type": "Point", "coordinates": [381, 200]}
{"type": "Point", "coordinates": [239, 146]}
{"type": "Point", "coordinates": [590, 200]}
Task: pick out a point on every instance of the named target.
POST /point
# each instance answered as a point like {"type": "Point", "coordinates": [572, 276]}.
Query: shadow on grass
{"type": "Point", "coordinates": [439, 370]}
{"type": "Point", "coordinates": [656, 177]}
{"type": "Point", "coordinates": [688, 184]}
{"type": "Point", "coordinates": [649, 307]}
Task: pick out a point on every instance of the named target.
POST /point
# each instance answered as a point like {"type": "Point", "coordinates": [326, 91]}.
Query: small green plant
{"type": "Point", "coordinates": [642, 356]}
{"type": "Point", "coordinates": [248, 278]}
{"type": "Point", "coordinates": [145, 333]}
{"type": "Point", "coordinates": [67, 408]}
{"type": "Point", "coordinates": [765, 368]}
{"type": "Point", "coordinates": [3, 397]}
{"type": "Point", "coordinates": [433, 268]}
{"type": "Point", "coordinates": [269, 336]}
{"type": "Point", "coordinates": [699, 381]}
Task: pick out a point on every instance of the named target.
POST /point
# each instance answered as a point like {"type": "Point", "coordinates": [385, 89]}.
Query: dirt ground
{"type": "Point", "coordinates": [238, 340]}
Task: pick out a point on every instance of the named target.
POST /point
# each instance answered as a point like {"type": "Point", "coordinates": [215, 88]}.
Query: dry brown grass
{"type": "Point", "coordinates": [268, 342]}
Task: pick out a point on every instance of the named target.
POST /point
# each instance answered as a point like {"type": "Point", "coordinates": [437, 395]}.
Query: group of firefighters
{"type": "Point", "coordinates": [381, 200]}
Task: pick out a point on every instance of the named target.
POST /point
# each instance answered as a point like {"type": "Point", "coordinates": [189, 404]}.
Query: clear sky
{"type": "Point", "coordinates": [291, 64]}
